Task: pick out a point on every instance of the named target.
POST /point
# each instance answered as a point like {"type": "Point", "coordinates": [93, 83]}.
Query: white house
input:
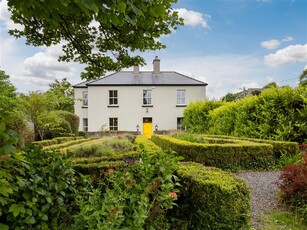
{"type": "Point", "coordinates": [136, 100]}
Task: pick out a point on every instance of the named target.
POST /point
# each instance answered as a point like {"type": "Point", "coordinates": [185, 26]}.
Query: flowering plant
{"type": "Point", "coordinates": [134, 197]}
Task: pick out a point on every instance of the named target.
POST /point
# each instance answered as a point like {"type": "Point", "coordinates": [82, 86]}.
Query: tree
{"type": "Point", "coordinates": [12, 124]}
{"type": "Point", "coordinates": [270, 85]}
{"type": "Point", "coordinates": [62, 95]}
{"type": "Point", "coordinates": [303, 78]}
{"type": "Point", "coordinates": [100, 34]}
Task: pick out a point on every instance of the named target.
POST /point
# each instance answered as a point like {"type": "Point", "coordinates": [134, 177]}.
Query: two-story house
{"type": "Point", "coordinates": [136, 100]}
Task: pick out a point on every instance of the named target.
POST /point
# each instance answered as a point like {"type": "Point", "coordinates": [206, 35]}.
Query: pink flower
{"type": "Point", "coordinates": [110, 170]}
{"type": "Point", "coordinates": [172, 195]}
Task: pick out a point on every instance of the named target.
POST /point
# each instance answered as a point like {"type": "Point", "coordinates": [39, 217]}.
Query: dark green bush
{"type": "Point", "coordinates": [245, 154]}
{"type": "Point", "coordinates": [39, 190]}
{"type": "Point", "coordinates": [71, 118]}
{"type": "Point", "coordinates": [211, 199]}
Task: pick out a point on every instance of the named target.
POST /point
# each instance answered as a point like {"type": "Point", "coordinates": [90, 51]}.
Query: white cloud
{"type": "Point", "coordinates": [288, 55]}
{"type": "Point", "coordinates": [270, 44]}
{"type": "Point", "coordinates": [274, 43]}
{"type": "Point", "coordinates": [287, 39]}
{"type": "Point", "coordinates": [193, 18]}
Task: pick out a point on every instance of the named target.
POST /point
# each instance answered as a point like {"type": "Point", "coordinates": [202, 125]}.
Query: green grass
{"type": "Point", "coordinates": [282, 220]}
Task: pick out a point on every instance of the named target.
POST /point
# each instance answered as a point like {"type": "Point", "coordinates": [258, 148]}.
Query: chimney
{"type": "Point", "coordinates": [136, 69]}
{"type": "Point", "coordinates": [156, 65]}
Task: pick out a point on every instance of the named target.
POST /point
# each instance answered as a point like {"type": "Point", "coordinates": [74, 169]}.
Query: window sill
{"type": "Point", "coordinates": [181, 105]}
{"type": "Point", "coordinates": [113, 106]}
{"type": "Point", "coordinates": [84, 107]}
{"type": "Point", "coordinates": [147, 105]}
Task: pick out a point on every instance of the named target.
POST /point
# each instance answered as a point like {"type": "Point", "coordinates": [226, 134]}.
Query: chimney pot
{"type": "Point", "coordinates": [136, 69]}
{"type": "Point", "coordinates": [156, 65]}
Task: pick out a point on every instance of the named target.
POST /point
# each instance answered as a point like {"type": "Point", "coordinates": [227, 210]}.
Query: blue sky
{"type": "Point", "coordinates": [229, 44]}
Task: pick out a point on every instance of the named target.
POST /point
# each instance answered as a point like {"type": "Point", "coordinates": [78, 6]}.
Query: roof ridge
{"type": "Point", "coordinates": [190, 77]}
{"type": "Point", "coordinates": [104, 77]}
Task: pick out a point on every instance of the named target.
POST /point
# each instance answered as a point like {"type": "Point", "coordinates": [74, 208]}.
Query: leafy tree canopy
{"type": "Point", "coordinates": [303, 78]}
{"type": "Point", "coordinates": [100, 34]}
{"type": "Point", "coordinates": [62, 95]}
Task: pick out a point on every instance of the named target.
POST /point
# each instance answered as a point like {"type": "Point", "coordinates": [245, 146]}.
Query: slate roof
{"type": "Point", "coordinates": [144, 78]}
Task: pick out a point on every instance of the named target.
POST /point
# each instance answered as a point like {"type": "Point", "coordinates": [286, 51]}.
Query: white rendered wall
{"type": "Point", "coordinates": [79, 110]}
{"type": "Point", "coordinates": [130, 112]}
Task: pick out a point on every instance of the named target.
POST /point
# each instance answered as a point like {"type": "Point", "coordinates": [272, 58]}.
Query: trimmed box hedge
{"type": "Point", "coordinates": [211, 199]}
{"type": "Point", "coordinates": [279, 147]}
{"type": "Point", "coordinates": [245, 154]}
{"type": "Point", "coordinates": [56, 140]}
{"type": "Point", "coordinates": [143, 142]}
{"type": "Point", "coordinates": [67, 144]}
{"type": "Point", "coordinates": [96, 168]}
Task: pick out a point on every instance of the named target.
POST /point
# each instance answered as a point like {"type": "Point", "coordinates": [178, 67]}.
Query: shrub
{"type": "Point", "coordinates": [279, 147]}
{"type": "Point", "coordinates": [56, 140]}
{"type": "Point", "coordinates": [67, 144]}
{"type": "Point", "coordinates": [210, 199]}
{"type": "Point", "coordinates": [39, 190]}
{"type": "Point", "coordinates": [71, 118]}
{"type": "Point", "coordinates": [277, 114]}
{"type": "Point", "coordinates": [196, 115]}
{"type": "Point", "coordinates": [143, 143]}
{"type": "Point", "coordinates": [246, 154]}
{"type": "Point", "coordinates": [136, 197]}
{"type": "Point", "coordinates": [293, 183]}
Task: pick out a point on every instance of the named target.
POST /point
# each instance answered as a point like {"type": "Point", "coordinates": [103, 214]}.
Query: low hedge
{"type": "Point", "coordinates": [246, 154]}
{"type": "Point", "coordinates": [143, 143]}
{"type": "Point", "coordinates": [66, 144]}
{"type": "Point", "coordinates": [96, 168]}
{"type": "Point", "coordinates": [210, 198]}
{"type": "Point", "coordinates": [88, 160]}
{"type": "Point", "coordinates": [56, 140]}
{"type": "Point", "coordinates": [279, 147]}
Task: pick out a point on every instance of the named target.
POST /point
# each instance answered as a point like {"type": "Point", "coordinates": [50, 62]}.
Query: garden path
{"type": "Point", "coordinates": [263, 192]}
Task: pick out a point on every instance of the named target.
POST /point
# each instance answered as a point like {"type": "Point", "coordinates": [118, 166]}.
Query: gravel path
{"type": "Point", "coordinates": [263, 192]}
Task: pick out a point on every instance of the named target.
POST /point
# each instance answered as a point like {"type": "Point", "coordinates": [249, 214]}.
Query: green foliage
{"type": "Point", "coordinates": [62, 95]}
{"type": "Point", "coordinates": [136, 196]}
{"type": "Point", "coordinates": [279, 147]}
{"type": "Point", "coordinates": [68, 143]}
{"type": "Point", "coordinates": [71, 118]}
{"type": "Point", "coordinates": [196, 115]}
{"type": "Point", "coordinates": [276, 114]}
{"type": "Point", "coordinates": [56, 140]}
{"type": "Point", "coordinates": [123, 26]}
{"type": "Point", "coordinates": [38, 190]}
{"type": "Point", "coordinates": [143, 143]}
{"type": "Point", "coordinates": [303, 78]}
{"type": "Point", "coordinates": [226, 156]}
{"type": "Point", "coordinates": [12, 123]}
{"type": "Point", "coordinates": [211, 199]}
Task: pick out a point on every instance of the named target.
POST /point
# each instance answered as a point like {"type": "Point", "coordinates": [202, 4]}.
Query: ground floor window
{"type": "Point", "coordinates": [113, 123]}
{"type": "Point", "coordinates": [85, 124]}
{"type": "Point", "coordinates": [179, 123]}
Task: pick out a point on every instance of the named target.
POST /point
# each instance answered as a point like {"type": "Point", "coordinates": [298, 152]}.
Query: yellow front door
{"type": "Point", "coordinates": [147, 129]}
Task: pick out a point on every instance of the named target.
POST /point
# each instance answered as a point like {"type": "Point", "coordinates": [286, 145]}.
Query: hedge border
{"type": "Point", "coordinates": [211, 199]}
{"type": "Point", "coordinates": [279, 147]}
{"type": "Point", "coordinates": [246, 155]}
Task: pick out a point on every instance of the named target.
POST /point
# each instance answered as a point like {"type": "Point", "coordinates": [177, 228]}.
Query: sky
{"type": "Point", "coordinates": [229, 44]}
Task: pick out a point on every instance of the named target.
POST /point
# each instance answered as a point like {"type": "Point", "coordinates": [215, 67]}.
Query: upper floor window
{"type": "Point", "coordinates": [113, 97]}
{"type": "Point", "coordinates": [181, 97]}
{"type": "Point", "coordinates": [147, 97]}
{"type": "Point", "coordinates": [113, 123]}
{"type": "Point", "coordinates": [85, 99]}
